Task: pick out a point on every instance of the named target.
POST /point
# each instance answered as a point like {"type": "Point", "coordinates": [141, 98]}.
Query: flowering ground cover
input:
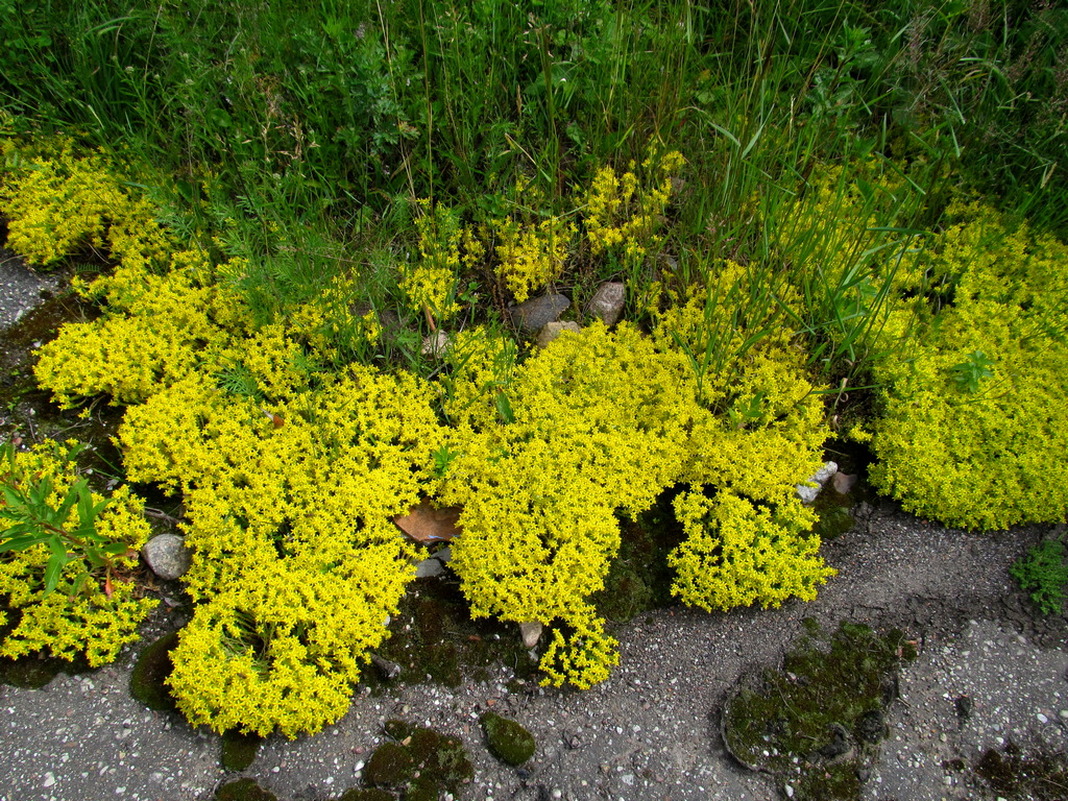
{"type": "Point", "coordinates": [308, 322]}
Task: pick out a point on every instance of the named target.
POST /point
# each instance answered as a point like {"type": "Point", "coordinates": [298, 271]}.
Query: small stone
{"type": "Point", "coordinates": [533, 314]}
{"type": "Point", "coordinates": [444, 555]}
{"type": "Point", "coordinates": [387, 669]}
{"type": "Point", "coordinates": [1042, 718]}
{"type": "Point", "coordinates": [167, 556]}
{"type": "Point", "coordinates": [807, 493]}
{"type": "Point", "coordinates": [429, 568]}
{"type": "Point", "coordinates": [49, 780]}
{"type": "Point", "coordinates": [789, 791]}
{"type": "Point", "coordinates": [607, 302]}
{"type": "Point", "coordinates": [435, 345]}
{"type": "Point", "coordinates": [551, 331]}
{"type": "Point", "coordinates": [844, 482]}
{"type": "Point", "coordinates": [530, 632]}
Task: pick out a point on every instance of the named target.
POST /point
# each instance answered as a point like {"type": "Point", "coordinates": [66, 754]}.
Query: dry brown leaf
{"type": "Point", "coordinates": [425, 524]}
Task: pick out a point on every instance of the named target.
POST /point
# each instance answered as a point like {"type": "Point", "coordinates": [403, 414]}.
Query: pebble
{"type": "Point", "coordinates": [1042, 718]}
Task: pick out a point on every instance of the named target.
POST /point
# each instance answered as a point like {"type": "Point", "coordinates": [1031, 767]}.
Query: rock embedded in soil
{"type": "Point", "coordinates": [607, 302]}
{"type": "Point", "coordinates": [167, 556]}
{"type": "Point", "coordinates": [551, 331]}
{"type": "Point", "coordinates": [436, 345]}
{"type": "Point", "coordinates": [533, 314]}
{"type": "Point", "coordinates": [807, 493]}
{"type": "Point", "coordinates": [530, 632]}
{"type": "Point", "coordinates": [844, 483]}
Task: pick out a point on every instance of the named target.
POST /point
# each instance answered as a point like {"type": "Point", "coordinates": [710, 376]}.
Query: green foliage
{"type": "Point", "coordinates": [972, 370]}
{"type": "Point", "coordinates": [33, 520]}
{"type": "Point", "coordinates": [65, 560]}
{"type": "Point", "coordinates": [1043, 573]}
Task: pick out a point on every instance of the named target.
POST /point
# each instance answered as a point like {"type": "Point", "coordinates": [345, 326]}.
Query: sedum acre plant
{"type": "Point", "coordinates": [974, 420]}
{"type": "Point", "coordinates": [291, 472]}
{"type": "Point", "coordinates": [65, 556]}
{"type": "Point", "coordinates": [604, 421]}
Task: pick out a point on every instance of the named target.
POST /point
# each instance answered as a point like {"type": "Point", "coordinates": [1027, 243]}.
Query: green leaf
{"type": "Point", "coordinates": [504, 408]}
{"type": "Point", "coordinates": [20, 543]}
{"type": "Point", "coordinates": [53, 571]}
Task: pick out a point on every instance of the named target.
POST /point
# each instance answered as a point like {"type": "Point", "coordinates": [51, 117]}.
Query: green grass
{"type": "Point", "coordinates": [301, 137]}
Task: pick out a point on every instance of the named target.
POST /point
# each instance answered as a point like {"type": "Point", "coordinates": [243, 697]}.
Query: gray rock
{"type": "Point", "coordinates": [436, 344]}
{"type": "Point", "coordinates": [444, 555]}
{"type": "Point", "coordinates": [808, 493]}
{"type": "Point", "coordinates": [168, 556]}
{"type": "Point", "coordinates": [607, 302]}
{"type": "Point", "coordinates": [533, 314]}
{"type": "Point", "coordinates": [551, 331]}
{"type": "Point", "coordinates": [844, 483]}
{"type": "Point", "coordinates": [428, 568]}
{"type": "Point", "coordinates": [531, 633]}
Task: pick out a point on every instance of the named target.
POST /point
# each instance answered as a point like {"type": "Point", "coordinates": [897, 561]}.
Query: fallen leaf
{"type": "Point", "coordinates": [425, 524]}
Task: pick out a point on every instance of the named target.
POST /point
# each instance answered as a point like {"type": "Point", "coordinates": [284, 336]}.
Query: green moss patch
{"type": "Point", "coordinates": [421, 764]}
{"type": "Point", "coordinates": [1016, 774]}
{"type": "Point", "coordinates": [239, 750]}
{"type": "Point", "coordinates": [433, 638]}
{"type": "Point", "coordinates": [34, 671]}
{"type": "Point", "coordinates": [148, 682]}
{"type": "Point", "coordinates": [506, 739]}
{"type": "Point", "coordinates": [816, 723]}
{"type": "Point", "coordinates": [244, 790]}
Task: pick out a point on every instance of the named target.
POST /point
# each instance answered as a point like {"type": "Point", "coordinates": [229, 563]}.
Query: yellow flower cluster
{"type": "Point", "coordinates": [985, 453]}
{"type": "Point", "coordinates": [623, 212]}
{"type": "Point", "coordinates": [738, 552]}
{"type": "Point", "coordinates": [291, 474]}
{"type": "Point", "coordinates": [73, 620]}
{"type": "Point", "coordinates": [59, 203]}
{"type": "Point", "coordinates": [430, 282]}
{"type": "Point", "coordinates": [531, 255]}
{"type": "Point", "coordinates": [598, 422]}
{"type": "Point", "coordinates": [290, 526]}
{"type": "Point", "coordinates": [290, 487]}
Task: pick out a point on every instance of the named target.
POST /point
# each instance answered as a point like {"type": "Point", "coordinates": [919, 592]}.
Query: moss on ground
{"type": "Point", "coordinates": [421, 764]}
{"type": "Point", "coordinates": [816, 723]}
{"type": "Point", "coordinates": [148, 682]}
{"type": "Point", "coordinates": [244, 790]}
{"type": "Point", "coordinates": [506, 739]}
{"type": "Point", "coordinates": [433, 638]}
{"type": "Point", "coordinates": [1025, 775]}
{"type": "Point", "coordinates": [239, 750]}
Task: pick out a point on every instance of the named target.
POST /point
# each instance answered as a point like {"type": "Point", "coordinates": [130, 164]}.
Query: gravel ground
{"type": "Point", "coordinates": [20, 288]}
{"type": "Point", "coordinates": [652, 730]}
